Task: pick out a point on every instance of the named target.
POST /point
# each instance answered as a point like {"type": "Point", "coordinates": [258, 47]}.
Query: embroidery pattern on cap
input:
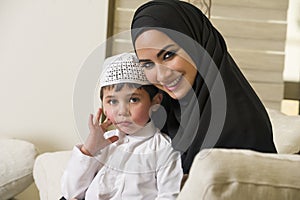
{"type": "Point", "coordinates": [124, 69]}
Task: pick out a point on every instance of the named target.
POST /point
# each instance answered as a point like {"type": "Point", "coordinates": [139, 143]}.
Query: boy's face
{"type": "Point", "coordinates": [128, 108]}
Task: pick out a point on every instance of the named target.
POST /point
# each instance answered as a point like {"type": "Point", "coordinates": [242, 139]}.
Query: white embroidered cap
{"type": "Point", "coordinates": [122, 68]}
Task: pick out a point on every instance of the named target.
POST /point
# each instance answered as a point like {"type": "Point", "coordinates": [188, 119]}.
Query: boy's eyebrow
{"type": "Point", "coordinates": [109, 96]}
{"type": "Point", "coordinates": [136, 94]}
{"type": "Point", "coordinates": [159, 53]}
{"type": "Point", "coordinates": [128, 95]}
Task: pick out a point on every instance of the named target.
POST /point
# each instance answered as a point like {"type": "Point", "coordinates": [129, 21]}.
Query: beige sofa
{"type": "Point", "coordinates": [16, 165]}
{"type": "Point", "coordinates": [216, 173]}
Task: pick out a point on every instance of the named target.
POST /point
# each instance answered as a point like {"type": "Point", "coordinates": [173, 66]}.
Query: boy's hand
{"type": "Point", "coordinates": [96, 140]}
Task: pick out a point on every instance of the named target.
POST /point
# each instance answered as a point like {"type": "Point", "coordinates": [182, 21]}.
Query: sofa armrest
{"type": "Point", "coordinates": [286, 131]}
{"type": "Point", "coordinates": [16, 165]}
{"type": "Point", "coordinates": [242, 174]}
{"type": "Point", "coordinates": [47, 171]}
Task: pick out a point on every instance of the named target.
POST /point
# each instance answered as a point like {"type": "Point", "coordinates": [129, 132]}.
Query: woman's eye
{"type": "Point", "coordinates": [134, 100]}
{"type": "Point", "coordinates": [147, 65]}
{"type": "Point", "coordinates": [169, 54]}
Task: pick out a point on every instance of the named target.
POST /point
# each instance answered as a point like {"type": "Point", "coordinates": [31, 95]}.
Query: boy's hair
{"type": "Point", "coordinates": [150, 89]}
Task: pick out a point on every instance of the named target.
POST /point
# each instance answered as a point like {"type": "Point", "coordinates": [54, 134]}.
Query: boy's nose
{"type": "Point", "coordinates": [123, 109]}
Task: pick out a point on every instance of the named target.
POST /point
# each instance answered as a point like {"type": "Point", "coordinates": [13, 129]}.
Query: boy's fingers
{"type": "Point", "coordinates": [98, 116]}
{"type": "Point", "coordinates": [91, 120]}
{"type": "Point", "coordinates": [113, 139]}
{"type": "Point", "coordinates": [106, 124]}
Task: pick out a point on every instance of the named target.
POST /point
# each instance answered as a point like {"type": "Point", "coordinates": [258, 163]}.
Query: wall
{"type": "Point", "coordinates": [292, 61]}
{"type": "Point", "coordinates": [291, 74]}
{"type": "Point", "coordinates": [42, 46]}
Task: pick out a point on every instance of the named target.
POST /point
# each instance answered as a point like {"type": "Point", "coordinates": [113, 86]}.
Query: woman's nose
{"type": "Point", "coordinates": [163, 72]}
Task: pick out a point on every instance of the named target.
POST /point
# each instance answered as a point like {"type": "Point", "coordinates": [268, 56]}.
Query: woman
{"type": "Point", "coordinates": [208, 101]}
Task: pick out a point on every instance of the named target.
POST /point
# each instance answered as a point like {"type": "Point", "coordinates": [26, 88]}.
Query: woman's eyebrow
{"type": "Point", "coordinates": [159, 53]}
{"type": "Point", "coordinates": [163, 50]}
{"type": "Point", "coordinates": [144, 60]}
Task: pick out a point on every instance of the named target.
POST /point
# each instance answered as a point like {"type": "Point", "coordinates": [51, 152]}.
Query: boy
{"type": "Point", "coordinates": [134, 161]}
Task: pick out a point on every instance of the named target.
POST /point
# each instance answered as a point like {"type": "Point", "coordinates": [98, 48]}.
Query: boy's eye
{"type": "Point", "coordinates": [147, 65]}
{"type": "Point", "coordinates": [112, 101]}
{"type": "Point", "coordinates": [134, 100]}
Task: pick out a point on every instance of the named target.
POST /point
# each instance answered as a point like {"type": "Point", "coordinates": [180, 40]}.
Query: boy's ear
{"type": "Point", "coordinates": [157, 98]}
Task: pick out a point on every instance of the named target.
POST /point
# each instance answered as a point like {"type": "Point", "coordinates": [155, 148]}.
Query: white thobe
{"type": "Point", "coordinates": [139, 166]}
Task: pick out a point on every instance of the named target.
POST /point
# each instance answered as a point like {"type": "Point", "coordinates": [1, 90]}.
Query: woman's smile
{"type": "Point", "coordinates": [174, 84]}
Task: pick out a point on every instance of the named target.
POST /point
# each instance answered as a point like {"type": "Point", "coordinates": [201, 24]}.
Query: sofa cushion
{"type": "Point", "coordinates": [16, 165]}
{"type": "Point", "coordinates": [286, 131]}
{"type": "Point", "coordinates": [242, 174]}
{"type": "Point", "coordinates": [47, 172]}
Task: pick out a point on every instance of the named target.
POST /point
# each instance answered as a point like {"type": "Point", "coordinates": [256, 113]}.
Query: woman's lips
{"type": "Point", "coordinates": [173, 85]}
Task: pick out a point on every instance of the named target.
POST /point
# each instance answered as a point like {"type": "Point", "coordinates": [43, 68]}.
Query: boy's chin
{"type": "Point", "coordinates": [129, 131]}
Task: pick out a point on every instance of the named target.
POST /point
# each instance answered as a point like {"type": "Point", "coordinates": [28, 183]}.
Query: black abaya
{"type": "Point", "coordinates": [222, 110]}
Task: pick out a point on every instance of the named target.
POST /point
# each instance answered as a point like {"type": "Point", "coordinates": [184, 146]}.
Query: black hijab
{"type": "Point", "coordinates": [221, 110]}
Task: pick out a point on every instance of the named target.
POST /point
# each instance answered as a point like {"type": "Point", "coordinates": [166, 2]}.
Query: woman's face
{"type": "Point", "coordinates": [165, 63]}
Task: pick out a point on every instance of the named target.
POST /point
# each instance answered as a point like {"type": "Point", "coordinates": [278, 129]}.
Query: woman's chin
{"type": "Point", "coordinates": [178, 93]}
{"type": "Point", "coordinates": [175, 94]}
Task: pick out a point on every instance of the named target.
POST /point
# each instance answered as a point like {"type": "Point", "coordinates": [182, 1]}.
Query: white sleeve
{"type": "Point", "coordinates": [169, 178]}
{"type": "Point", "coordinates": [78, 175]}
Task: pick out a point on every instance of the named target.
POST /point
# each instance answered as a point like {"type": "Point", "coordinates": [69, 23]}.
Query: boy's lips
{"type": "Point", "coordinates": [124, 123]}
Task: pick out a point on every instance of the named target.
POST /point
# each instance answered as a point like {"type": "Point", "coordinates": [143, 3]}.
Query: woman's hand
{"type": "Point", "coordinates": [96, 140]}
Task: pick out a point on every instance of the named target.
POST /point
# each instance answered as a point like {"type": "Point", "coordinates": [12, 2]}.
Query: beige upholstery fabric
{"type": "Point", "coordinates": [16, 165]}
{"type": "Point", "coordinates": [286, 131]}
{"type": "Point", "coordinates": [242, 174]}
{"type": "Point", "coordinates": [47, 172]}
